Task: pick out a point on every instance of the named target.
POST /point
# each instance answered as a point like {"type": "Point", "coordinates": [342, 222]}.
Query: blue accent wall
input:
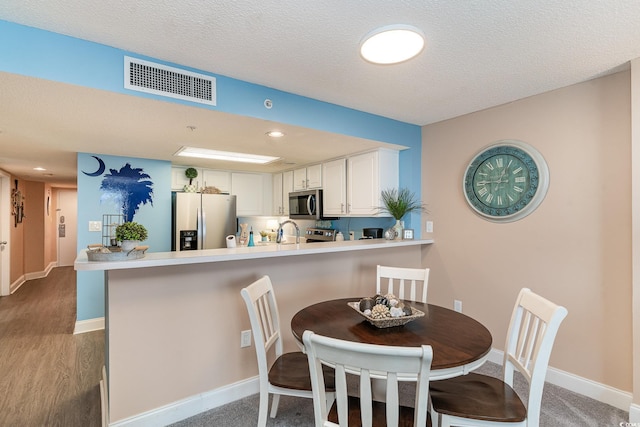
{"type": "Point", "coordinates": [92, 205]}
{"type": "Point", "coordinates": [43, 54]}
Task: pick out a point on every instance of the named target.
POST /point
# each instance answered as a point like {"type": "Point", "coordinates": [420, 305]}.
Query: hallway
{"type": "Point", "coordinates": [48, 376]}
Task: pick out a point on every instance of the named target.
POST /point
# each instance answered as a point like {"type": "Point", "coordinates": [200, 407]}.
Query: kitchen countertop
{"type": "Point", "coordinates": [270, 250]}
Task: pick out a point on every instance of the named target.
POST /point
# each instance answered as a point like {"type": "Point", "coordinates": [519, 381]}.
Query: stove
{"type": "Point", "coordinates": [320, 235]}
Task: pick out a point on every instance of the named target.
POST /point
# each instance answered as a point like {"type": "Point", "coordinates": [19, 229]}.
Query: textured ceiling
{"type": "Point", "coordinates": [479, 53]}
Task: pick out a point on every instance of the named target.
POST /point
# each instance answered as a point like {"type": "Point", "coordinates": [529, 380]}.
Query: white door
{"type": "Point", "coordinates": [5, 220]}
{"type": "Point", "coordinates": [67, 227]}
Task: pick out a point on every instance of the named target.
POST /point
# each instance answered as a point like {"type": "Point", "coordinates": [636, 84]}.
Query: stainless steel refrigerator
{"type": "Point", "coordinates": [202, 221]}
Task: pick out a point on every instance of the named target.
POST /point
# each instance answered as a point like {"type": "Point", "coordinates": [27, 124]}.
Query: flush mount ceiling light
{"type": "Point", "coordinates": [203, 153]}
{"type": "Point", "coordinates": [275, 134]}
{"type": "Point", "coordinates": [392, 44]}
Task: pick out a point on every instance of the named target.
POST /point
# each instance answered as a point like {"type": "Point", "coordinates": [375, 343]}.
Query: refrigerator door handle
{"type": "Point", "coordinates": [200, 225]}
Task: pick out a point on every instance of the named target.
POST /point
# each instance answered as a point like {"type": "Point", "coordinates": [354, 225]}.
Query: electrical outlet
{"type": "Point", "coordinates": [95, 225]}
{"type": "Point", "coordinates": [245, 339]}
{"type": "Point", "coordinates": [429, 227]}
{"type": "Point", "coordinates": [457, 305]}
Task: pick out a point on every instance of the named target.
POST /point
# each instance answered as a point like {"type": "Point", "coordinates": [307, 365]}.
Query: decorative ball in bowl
{"type": "Point", "coordinates": [385, 311]}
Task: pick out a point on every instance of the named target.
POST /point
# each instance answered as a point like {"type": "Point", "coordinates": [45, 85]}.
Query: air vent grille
{"type": "Point", "coordinates": [144, 76]}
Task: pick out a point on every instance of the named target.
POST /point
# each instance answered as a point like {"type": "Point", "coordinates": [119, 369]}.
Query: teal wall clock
{"type": "Point", "coordinates": [506, 181]}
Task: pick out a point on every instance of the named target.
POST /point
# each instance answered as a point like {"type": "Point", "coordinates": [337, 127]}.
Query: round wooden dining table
{"type": "Point", "coordinates": [460, 343]}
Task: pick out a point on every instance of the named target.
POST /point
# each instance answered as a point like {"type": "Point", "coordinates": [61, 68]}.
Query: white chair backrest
{"type": "Point", "coordinates": [532, 332]}
{"type": "Point", "coordinates": [265, 321]}
{"type": "Point", "coordinates": [412, 277]}
{"type": "Point", "coordinates": [368, 361]}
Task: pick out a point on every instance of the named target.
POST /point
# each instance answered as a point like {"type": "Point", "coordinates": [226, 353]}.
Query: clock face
{"type": "Point", "coordinates": [506, 181]}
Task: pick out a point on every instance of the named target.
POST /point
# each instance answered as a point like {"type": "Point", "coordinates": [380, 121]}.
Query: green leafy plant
{"type": "Point", "coordinates": [131, 231]}
{"type": "Point", "coordinates": [191, 173]}
{"type": "Point", "coordinates": [400, 202]}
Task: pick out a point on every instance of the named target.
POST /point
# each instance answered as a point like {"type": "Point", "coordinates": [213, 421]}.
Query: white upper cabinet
{"type": "Point", "coordinates": [253, 193]}
{"type": "Point", "coordinates": [278, 200]}
{"type": "Point", "coordinates": [367, 175]}
{"type": "Point", "coordinates": [282, 186]}
{"type": "Point", "coordinates": [307, 178]}
{"type": "Point", "coordinates": [179, 179]}
{"type": "Point", "coordinates": [219, 179]}
{"type": "Point", "coordinates": [334, 193]}
{"type": "Point", "coordinates": [352, 185]}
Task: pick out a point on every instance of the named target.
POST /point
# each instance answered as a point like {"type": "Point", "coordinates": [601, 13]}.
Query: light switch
{"type": "Point", "coordinates": [429, 227]}
{"type": "Point", "coordinates": [95, 225]}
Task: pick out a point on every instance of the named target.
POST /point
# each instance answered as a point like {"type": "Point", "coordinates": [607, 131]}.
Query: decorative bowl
{"type": "Point", "coordinates": [387, 322]}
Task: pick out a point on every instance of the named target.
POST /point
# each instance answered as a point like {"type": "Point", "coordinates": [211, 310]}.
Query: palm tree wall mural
{"type": "Point", "coordinates": [129, 188]}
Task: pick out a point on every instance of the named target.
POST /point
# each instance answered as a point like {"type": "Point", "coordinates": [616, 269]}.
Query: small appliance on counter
{"type": "Point", "coordinates": [371, 233]}
{"type": "Point", "coordinates": [320, 235]}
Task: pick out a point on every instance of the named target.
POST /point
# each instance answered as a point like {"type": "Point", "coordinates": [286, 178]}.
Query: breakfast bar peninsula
{"type": "Point", "coordinates": [173, 320]}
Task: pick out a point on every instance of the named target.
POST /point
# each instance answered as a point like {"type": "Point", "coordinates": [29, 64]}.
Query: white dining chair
{"type": "Point", "coordinates": [412, 278]}
{"type": "Point", "coordinates": [481, 400]}
{"type": "Point", "coordinates": [370, 362]}
{"type": "Point", "coordinates": [288, 374]}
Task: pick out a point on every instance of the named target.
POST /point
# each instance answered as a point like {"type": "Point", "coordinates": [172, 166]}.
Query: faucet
{"type": "Point", "coordinates": [279, 232]}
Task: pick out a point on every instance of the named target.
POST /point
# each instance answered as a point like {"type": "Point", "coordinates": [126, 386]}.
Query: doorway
{"type": "Point", "coordinates": [5, 259]}
{"type": "Point", "coordinates": [67, 219]}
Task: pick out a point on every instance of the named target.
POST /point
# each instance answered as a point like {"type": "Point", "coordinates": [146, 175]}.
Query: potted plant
{"type": "Point", "coordinates": [190, 173]}
{"type": "Point", "coordinates": [398, 203]}
{"type": "Point", "coordinates": [130, 234]}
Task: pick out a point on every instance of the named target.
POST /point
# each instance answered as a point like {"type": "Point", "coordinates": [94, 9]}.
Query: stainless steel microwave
{"type": "Point", "coordinates": [306, 204]}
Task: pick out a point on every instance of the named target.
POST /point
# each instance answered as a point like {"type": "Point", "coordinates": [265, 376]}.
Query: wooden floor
{"type": "Point", "coordinates": [48, 376]}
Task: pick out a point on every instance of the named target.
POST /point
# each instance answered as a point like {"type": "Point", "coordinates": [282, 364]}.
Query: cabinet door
{"type": "Point", "coordinates": [278, 200]}
{"type": "Point", "coordinates": [334, 194]}
{"type": "Point", "coordinates": [248, 188]}
{"type": "Point", "coordinates": [287, 187]}
{"type": "Point", "coordinates": [362, 185]}
{"type": "Point", "coordinates": [219, 179]}
{"type": "Point", "coordinates": [300, 179]}
{"type": "Point", "coordinates": [314, 176]}
{"type": "Point", "coordinates": [178, 178]}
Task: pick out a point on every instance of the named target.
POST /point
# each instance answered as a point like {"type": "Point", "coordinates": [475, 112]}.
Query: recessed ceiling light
{"type": "Point", "coordinates": [392, 44]}
{"type": "Point", "coordinates": [275, 134]}
{"type": "Point", "coordinates": [204, 153]}
{"type": "Point", "coordinates": [39, 169]}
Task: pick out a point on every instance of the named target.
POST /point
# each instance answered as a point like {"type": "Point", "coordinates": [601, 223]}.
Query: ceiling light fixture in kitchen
{"type": "Point", "coordinates": [204, 153]}
{"type": "Point", "coordinates": [392, 44]}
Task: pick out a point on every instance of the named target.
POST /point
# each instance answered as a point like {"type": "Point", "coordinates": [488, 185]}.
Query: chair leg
{"type": "Point", "coordinates": [274, 405]}
{"type": "Point", "coordinates": [262, 410]}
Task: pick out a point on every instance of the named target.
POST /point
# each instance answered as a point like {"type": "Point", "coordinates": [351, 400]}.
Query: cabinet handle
{"type": "Point", "coordinates": [341, 207]}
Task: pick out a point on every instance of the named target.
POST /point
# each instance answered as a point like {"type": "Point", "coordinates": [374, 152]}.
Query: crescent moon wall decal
{"type": "Point", "coordinates": [101, 168]}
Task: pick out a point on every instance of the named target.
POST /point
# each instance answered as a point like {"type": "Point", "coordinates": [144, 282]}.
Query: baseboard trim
{"type": "Point", "coordinates": [634, 414]}
{"type": "Point", "coordinates": [600, 392]}
{"type": "Point", "coordinates": [191, 406]}
{"type": "Point", "coordinates": [89, 325]}
{"type": "Point", "coordinates": [194, 405]}
{"type": "Point", "coordinates": [16, 285]}
{"type": "Point", "coordinates": [31, 276]}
